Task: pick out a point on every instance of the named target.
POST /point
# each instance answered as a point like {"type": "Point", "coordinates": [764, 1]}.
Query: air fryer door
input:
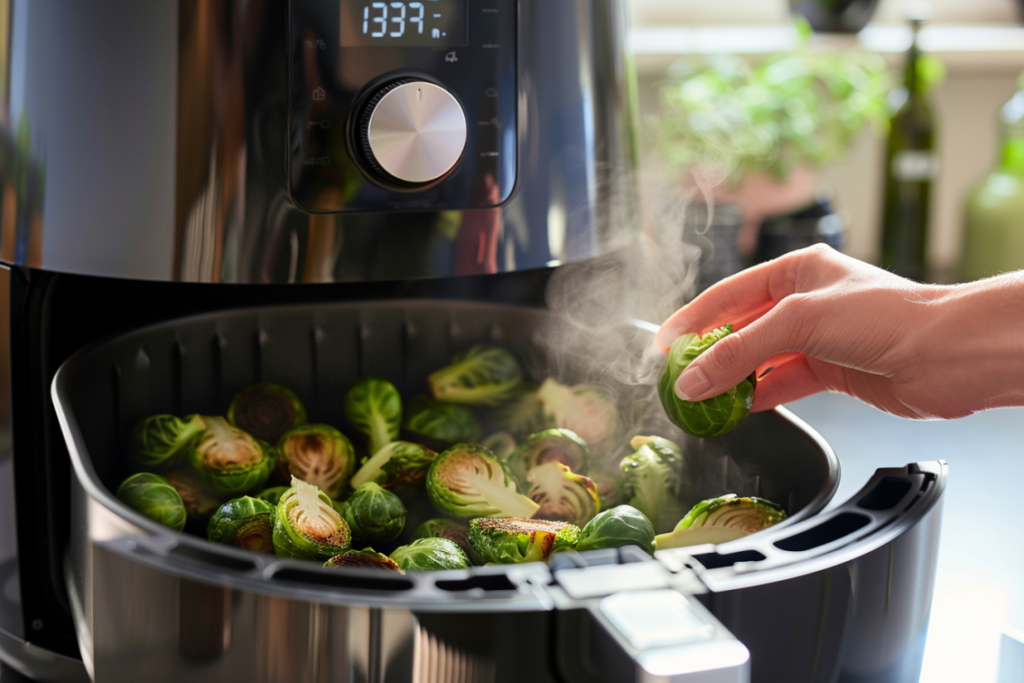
{"type": "Point", "coordinates": [841, 597]}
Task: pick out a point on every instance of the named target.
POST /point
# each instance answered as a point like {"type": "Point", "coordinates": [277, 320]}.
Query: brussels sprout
{"type": "Point", "coordinates": [151, 495]}
{"type": "Point", "coordinates": [272, 495]}
{"type": "Point", "coordinates": [244, 523]}
{"type": "Point", "coordinates": [160, 441]}
{"type": "Point", "coordinates": [199, 503]}
{"type": "Point", "coordinates": [499, 443]}
{"type": "Point", "coordinates": [442, 421]}
{"type": "Point", "coordinates": [654, 481]}
{"type": "Point", "coordinates": [364, 558]}
{"type": "Point", "coordinates": [430, 554]}
{"type": "Point", "coordinates": [563, 495]}
{"type": "Point", "coordinates": [468, 481]}
{"type": "Point", "coordinates": [374, 407]}
{"type": "Point", "coordinates": [722, 519]}
{"type": "Point", "coordinates": [374, 515]}
{"type": "Point", "coordinates": [510, 541]}
{"type": "Point", "coordinates": [266, 411]}
{"type": "Point", "coordinates": [523, 414]}
{"type": "Point", "coordinates": [609, 488]}
{"type": "Point", "coordinates": [400, 462]}
{"type": "Point", "coordinates": [456, 532]}
{"type": "Point", "coordinates": [482, 376]}
{"type": "Point", "coordinates": [583, 409]}
{"type": "Point", "coordinates": [620, 526]}
{"type": "Point", "coordinates": [551, 445]}
{"type": "Point", "coordinates": [306, 525]}
{"type": "Point", "coordinates": [318, 455]}
{"type": "Point", "coordinates": [712, 416]}
{"type": "Point", "coordinates": [229, 461]}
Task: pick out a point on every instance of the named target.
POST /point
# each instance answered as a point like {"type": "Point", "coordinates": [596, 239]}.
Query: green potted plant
{"type": "Point", "coordinates": [754, 135]}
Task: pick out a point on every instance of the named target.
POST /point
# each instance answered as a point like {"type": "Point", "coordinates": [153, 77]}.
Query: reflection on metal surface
{"type": "Point", "coordinates": [439, 662]}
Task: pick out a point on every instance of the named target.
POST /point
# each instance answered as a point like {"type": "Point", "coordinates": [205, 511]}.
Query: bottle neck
{"type": "Point", "coordinates": [912, 76]}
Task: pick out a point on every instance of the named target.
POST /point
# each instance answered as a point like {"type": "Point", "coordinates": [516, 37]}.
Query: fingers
{"type": "Point", "coordinates": [788, 382]}
{"type": "Point", "coordinates": [732, 359]}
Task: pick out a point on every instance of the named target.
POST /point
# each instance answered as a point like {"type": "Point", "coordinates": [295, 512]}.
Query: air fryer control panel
{"type": "Point", "coordinates": [402, 104]}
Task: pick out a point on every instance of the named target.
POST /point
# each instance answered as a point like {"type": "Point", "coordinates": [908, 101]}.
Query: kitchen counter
{"type": "Point", "coordinates": [980, 578]}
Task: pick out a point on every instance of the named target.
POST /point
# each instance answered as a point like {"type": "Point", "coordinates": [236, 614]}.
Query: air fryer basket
{"type": "Point", "coordinates": [195, 365]}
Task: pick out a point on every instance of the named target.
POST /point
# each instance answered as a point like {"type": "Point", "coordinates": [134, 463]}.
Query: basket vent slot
{"type": "Point", "coordinates": [488, 582]}
{"type": "Point", "coordinates": [340, 579]}
{"type": "Point", "coordinates": [207, 557]}
{"type": "Point", "coordinates": [716, 561]}
{"type": "Point", "coordinates": [886, 494]}
{"type": "Point", "coordinates": [823, 534]}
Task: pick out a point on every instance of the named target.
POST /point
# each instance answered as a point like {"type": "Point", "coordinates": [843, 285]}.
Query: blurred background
{"type": "Point", "coordinates": [893, 130]}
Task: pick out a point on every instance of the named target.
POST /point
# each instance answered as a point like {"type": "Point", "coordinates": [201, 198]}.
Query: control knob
{"type": "Point", "coordinates": [412, 131]}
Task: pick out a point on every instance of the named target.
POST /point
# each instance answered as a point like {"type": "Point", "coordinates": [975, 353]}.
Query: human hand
{"type": "Point", "coordinates": [816, 320]}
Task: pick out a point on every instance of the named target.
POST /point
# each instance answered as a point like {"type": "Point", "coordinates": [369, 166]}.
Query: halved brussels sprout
{"type": "Point", "coordinates": [499, 443]}
{"type": "Point", "coordinates": [551, 445]}
{"type": "Point", "coordinates": [583, 409]}
{"type": "Point", "coordinates": [246, 523]}
{"type": "Point", "coordinates": [712, 416]}
{"type": "Point", "coordinates": [151, 495]}
{"type": "Point", "coordinates": [563, 495]}
{"type": "Point", "coordinates": [374, 407]}
{"type": "Point", "coordinates": [374, 515]}
{"type": "Point", "coordinates": [456, 532]}
{"type": "Point", "coordinates": [319, 455]}
{"type": "Point", "coordinates": [368, 557]}
{"type": "Point", "coordinates": [523, 414]}
{"type": "Point", "coordinates": [468, 481]}
{"type": "Point", "coordinates": [722, 519]}
{"type": "Point", "coordinates": [198, 501]}
{"type": "Point", "coordinates": [272, 495]}
{"type": "Point", "coordinates": [618, 527]}
{"type": "Point", "coordinates": [655, 479]}
{"type": "Point", "coordinates": [400, 462]}
{"type": "Point", "coordinates": [510, 540]}
{"type": "Point", "coordinates": [160, 441]}
{"type": "Point", "coordinates": [228, 461]}
{"type": "Point", "coordinates": [609, 487]}
{"type": "Point", "coordinates": [306, 525]}
{"type": "Point", "coordinates": [430, 554]}
{"type": "Point", "coordinates": [482, 376]}
{"type": "Point", "coordinates": [442, 421]}
{"type": "Point", "coordinates": [266, 411]}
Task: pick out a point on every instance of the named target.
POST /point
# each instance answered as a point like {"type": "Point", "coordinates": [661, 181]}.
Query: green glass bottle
{"type": "Point", "coordinates": [994, 230]}
{"type": "Point", "coordinates": [911, 167]}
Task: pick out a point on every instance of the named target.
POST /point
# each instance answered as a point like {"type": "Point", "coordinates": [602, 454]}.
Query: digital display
{"type": "Point", "coordinates": [391, 23]}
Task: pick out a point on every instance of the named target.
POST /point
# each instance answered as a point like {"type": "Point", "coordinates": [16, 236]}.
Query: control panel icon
{"type": "Point", "coordinates": [319, 95]}
{"type": "Point", "coordinates": [451, 57]}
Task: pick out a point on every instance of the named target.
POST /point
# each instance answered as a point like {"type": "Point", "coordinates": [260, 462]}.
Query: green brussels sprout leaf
{"type": "Point", "coordinates": [272, 495]}
{"type": "Point", "coordinates": [374, 515]}
{"type": "Point", "coordinates": [499, 443]}
{"type": "Point", "coordinates": [228, 461]}
{"type": "Point", "coordinates": [655, 479]}
{"type": "Point", "coordinates": [562, 494]}
{"type": "Point", "coordinates": [319, 455]}
{"type": "Point", "coordinates": [583, 409]}
{"type": "Point", "coordinates": [442, 422]}
{"type": "Point", "coordinates": [266, 411]}
{"type": "Point", "coordinates": [306, 525]}
{"type": "Point", "coordinates": [618, 527]}
{"type": "Point", "coordinates": [482, 376]}
{"type": "Point", "coordinates": [151, 495]}
{"type": "Point", "coordinates": [550, 445]}
{"type": "Point", "coordinates": [374, 407]}
{"type": "Point", "coordinates": [455, 532]}
{"type": "Point", "coordinates": [713, 416]}
{"type": "Point", "coordinates": [523, 414]}
{"type": "Point", "coordinates": [430, 554]}
{"type": "Point", "coordinates": [246, 523]}
{"type": "Point", "coordinates": [199, 502]}
{"type": "Point", "coordinates": [400, 462]}
{"type": "Point", "coordinates": [160, 441]}
{"type": "Point", "coordinates": [368, 558]}
{"type": "Point", "coordinates": [511, 541]}
{"type": "Point", "coordinates": [722, 519]}
{"type": "Point", "coordinates": [468, 481]}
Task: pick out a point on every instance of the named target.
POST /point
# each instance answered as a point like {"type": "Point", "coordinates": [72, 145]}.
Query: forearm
{"type": "Point", "coordinates": [975, 340]}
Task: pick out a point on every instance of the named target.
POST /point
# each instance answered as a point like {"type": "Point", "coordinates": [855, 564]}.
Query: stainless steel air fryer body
{"type": "Point", "coordinates": [421, 168]}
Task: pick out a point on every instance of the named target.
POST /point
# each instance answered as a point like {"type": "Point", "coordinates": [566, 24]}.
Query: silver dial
{"type": "Point", "coordinates": [416, 132]}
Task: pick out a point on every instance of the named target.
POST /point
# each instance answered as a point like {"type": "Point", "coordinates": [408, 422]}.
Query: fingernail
{"type": "Point", "coordinates": [664, 339]}
{"type": "Point", "coordinates": [693, 382]}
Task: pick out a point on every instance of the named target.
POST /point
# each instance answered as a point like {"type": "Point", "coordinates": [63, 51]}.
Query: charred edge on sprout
{"type": "Point", "coordinates": [357, 558]}
{"type": "Point", "coordinates": [256, 534]}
